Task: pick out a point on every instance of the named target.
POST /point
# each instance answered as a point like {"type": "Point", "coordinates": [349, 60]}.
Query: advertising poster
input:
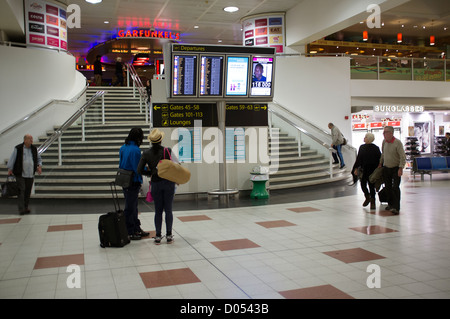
{"type": "Point", "coordinates": [264, 31]}
{"type": "Point", "coordinates": [262, 76]}
{"type": "Point", "coordinates": [46, 24]}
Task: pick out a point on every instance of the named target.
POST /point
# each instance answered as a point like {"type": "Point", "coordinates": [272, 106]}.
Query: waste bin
{"type": "Point", "coordinates": [259, 177]}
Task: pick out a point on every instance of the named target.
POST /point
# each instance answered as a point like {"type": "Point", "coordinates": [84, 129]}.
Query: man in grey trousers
{"type": "Point", "coordinates": [24, 162]}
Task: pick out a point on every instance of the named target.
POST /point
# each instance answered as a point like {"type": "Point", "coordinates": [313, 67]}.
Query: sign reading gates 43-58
{"type": "Point", "coordinates": [185, 114]}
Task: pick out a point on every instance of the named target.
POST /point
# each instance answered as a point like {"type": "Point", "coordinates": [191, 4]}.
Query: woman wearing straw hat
{"type": "Point", "coordinates": [162, 190]}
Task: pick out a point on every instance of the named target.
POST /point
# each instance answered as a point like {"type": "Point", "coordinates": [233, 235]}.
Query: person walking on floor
{"type": "Point", "coordinates": [162, 190]}
{"type": "Point", "coordinates": [24, 163]}
{"type": "Point", "coordinates": [337, 139]}
{"type": "Point", "coordinates": [130, 154]}
{"type": "Point", "coordinates": [393, 159]}
{"type": "Point", "coordinates": [367, 161]}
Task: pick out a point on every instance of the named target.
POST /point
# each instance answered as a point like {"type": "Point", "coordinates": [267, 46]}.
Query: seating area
{"type": "Point", "coordinates": [427, 165]}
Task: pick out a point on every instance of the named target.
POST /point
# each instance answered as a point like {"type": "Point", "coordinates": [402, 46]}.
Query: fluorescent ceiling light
{"type": "Point", "coordinates": [94, 1]}
{"type": "Point", "coordinates": [230, 9]}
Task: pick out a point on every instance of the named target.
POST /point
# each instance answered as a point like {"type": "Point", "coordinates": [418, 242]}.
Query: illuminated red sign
{"type": "Point", "coordinates": [147, 33]}
{"type": "Point", "coordinates": [359, 126]}
{"type": "Point", "coordinates": [376, 124]}
{"type": "Point", "coordinates": [394, 123]}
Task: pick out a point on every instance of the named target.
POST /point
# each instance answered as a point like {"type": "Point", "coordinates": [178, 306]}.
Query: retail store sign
{"type": "Point", "coordinates": [399, 108]}
{"type": "Point", "coordinates": [147, 33]}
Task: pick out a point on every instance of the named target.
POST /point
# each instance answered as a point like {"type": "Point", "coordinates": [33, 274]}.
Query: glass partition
{"type": "Point", "coordinates": [393, 68]}
{"type": "Point", "coordinates": [363, 67]}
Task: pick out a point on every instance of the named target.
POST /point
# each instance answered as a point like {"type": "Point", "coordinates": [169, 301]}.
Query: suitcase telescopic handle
{"type": "Point", "coordinates": [115, 196]}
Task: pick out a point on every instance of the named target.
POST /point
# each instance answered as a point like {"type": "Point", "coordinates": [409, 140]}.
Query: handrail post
{"type": "Point", "coordinates": [140, 103]}
{"type": "Point", "coordinates": [299, 143]}
{"type": "Point", "coordinates": [59, 151]}
{"type": "Point", "coordinates": [331, 164]}
{"type": "Point", "coordinates": [82, 128]}
{"type": "Point", "coordinates": [412, 69]}
{"type": "Point", "coordinates": [103, 109]}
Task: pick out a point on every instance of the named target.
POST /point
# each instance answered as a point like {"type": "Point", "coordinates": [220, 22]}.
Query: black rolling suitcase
{"type": "Point", "coordinates": [112, 228]}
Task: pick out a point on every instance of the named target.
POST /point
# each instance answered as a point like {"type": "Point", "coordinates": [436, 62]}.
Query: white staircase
{"type": "Point", "coordinates": [88, 166]}
{"type": "Point", "coordinates": [309, 169]}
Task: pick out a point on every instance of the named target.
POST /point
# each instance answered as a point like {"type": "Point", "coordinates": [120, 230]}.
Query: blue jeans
{"type": "Point", "coordinates": [131, 208]}
{"type": "Point", "coordinates": [339, 153]}
{"type": "Point", "coordinates": [163, 193]}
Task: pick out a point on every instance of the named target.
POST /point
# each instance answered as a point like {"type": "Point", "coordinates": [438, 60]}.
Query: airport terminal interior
{"type": "Point", "coordinates": [297, 239]}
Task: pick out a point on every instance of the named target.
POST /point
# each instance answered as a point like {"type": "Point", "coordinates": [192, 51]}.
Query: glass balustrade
{"type": "Point", "coordinates": [390, 68]}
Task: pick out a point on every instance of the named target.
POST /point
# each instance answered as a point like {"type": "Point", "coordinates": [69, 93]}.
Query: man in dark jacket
{"type": "Point", "coordinates": [23, 164]}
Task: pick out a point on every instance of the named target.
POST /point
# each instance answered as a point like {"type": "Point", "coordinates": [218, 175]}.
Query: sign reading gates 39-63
{"type": "Point", "coordinates": [46, 24]}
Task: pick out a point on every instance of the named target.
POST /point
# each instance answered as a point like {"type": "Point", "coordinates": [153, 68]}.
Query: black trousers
{"type": "Point", "coordinates": [392, 183]}
{"type": "Point", "coordinates": [25, 186]}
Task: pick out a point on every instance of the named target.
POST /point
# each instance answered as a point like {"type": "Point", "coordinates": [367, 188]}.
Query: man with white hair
{"type": "Point", "coordinates": [366, 162]}
{"type": "Point", "coordinates": [393, 158]}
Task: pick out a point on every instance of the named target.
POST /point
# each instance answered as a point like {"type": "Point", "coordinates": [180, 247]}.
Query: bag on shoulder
{"type": "Point", "coordinates": [124, 178]}
{"type": "Point", "coordinates": [345, 141]}
{"type": "Point", "coordinates": [173, 172]}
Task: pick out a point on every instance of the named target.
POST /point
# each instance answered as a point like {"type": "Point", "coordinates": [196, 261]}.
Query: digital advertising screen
{"type": "Point", "coordinates": [184, 75]}
{"type": "Point", "coordinates": [211, 75]}
{"type": "Point", "coordinates": [237, 76]}
{"type": "Point", "coordinates": [262, 76]}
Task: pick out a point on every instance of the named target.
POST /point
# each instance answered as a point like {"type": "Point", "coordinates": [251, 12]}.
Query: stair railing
{"type": "Point", "coordinates": [137, 83]}
{"type": "Point", "coordinates": [309, 130]}
{"type": "Point", "coordinates": [59, 132]}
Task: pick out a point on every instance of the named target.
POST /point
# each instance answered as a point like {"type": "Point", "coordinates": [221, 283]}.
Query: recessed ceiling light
{"type": "Point", "coordinates": [94, 1]}
{"type": "Point", "coordinates": [230, 9]}
{"type": "Point", "coordinates": [196, 26]}
{"type": "Point", "coordinates": [105, 22]}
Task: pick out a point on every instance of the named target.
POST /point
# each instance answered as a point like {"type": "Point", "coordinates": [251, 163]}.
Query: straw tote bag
{"type": "Point", "coordinates": [173, 172]}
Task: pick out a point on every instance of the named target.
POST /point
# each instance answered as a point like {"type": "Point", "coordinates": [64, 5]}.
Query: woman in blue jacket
{"type": "Point", "coordinates": [130, 154]}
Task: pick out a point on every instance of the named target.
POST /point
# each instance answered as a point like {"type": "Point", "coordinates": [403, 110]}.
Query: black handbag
{"type": "Point", "coordinates": [10, 188]}
{"type": "Point", "coordinates": [383, 196]}
{"type": "Point", "coordinates": [124, 178]}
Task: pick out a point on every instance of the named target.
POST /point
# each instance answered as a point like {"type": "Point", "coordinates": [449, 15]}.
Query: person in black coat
{"type": "Point", "coordinates": [366, 162]}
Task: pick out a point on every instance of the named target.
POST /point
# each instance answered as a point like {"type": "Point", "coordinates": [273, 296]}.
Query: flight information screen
{"type": "Point", "coordinates": [237, 76]}
{"type": "Point", "coordinates": [211, 75]}
{"type": "Point", "coordinates": [262, 75]}
{"type": "Point", "coordinates": [184, 76]}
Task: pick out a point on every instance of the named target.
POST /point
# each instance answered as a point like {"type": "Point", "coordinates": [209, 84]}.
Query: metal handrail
{"type": "Point", "coordinates": [298, 128]}
{"type": "Point", "coordinates": [310, 124]}
{"type": "Point", "coordinates": [326, 145]}
{"type": "Point", "coordinates": [41, 108]}
{"type": "Point", "coordinates": [59, 132]}
{"type": "Point", "coordinates": [141, 89]}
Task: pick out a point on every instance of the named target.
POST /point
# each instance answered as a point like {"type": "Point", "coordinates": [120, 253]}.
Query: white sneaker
{"type": "Point", "coordinates": [169, 239]}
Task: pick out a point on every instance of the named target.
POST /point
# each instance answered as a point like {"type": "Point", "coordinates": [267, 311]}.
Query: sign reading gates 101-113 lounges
{"type": "Point", "coordinates": [46, 24]}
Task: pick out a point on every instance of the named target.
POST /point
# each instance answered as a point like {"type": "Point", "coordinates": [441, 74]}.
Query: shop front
{"type": "Point", "coordinates": [420, 128]}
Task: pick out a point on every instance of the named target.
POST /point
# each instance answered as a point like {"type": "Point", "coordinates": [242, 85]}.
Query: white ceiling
{"type": "Point", "coordinates": [213, 23]}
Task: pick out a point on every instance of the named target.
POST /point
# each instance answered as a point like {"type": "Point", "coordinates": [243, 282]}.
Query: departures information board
{"type": "Point", "coordinates": [184, 75]}
{"type": "Point", "coordinates": [211, 71]}
{"type": "Point", "coordinates": [185, 114]}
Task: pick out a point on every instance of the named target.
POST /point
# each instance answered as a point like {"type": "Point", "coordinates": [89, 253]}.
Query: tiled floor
{"type": "Point", "coordinates": [315, 247]}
